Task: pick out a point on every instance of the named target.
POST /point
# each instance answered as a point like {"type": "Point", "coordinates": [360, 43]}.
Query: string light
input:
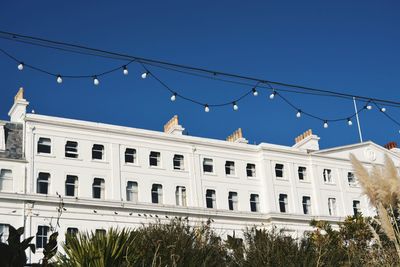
{"type": "Point", "coordinates": [59, 79]}
{"type": "Point", "coordinates": [349, 122]}
{"type": "Point", "coordinates": [125, 70]}
{"type": "Point", "coordinates": [144, 75]}
{"type": "Point", "coordinates": [235, 106]}
{"type": "Point", "coordinates": [95, 80]}
{"type": "Point", "coordinates": [145, 62]}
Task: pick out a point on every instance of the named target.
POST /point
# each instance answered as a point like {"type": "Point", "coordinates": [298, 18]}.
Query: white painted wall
{"type": "Point", "coordinates": [32, 209]}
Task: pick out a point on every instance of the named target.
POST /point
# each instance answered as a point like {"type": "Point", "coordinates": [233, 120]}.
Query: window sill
{"type": "Point", "coordinates": [131, 165]}
{"type": "Point", "coordinates": [156, 167]}
{"type": "Point", "coordinates": [45, 155]}
{"type": "Point", "coordinates": [330, 183]}
{"type": "Point", "coordinates": [183, 171]}
{"type": "Point", "coordinates": [209, 173]}
{"type": "Point", "coordinates": [305, 181]}
{"type": "Point", "coordinates": [99, 161]}
{"type": "Point", "coordinates": [281, 178]}
{"type": "Point", "coordinates": [231, 176]}
{"type": "Point", "coordinates": [354, 185]}
{"type": "Point", "coordinates": [77, 159]}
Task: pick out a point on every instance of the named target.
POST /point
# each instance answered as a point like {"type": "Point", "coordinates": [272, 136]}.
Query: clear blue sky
{"type": "Point", "coordinates": [349, 46]}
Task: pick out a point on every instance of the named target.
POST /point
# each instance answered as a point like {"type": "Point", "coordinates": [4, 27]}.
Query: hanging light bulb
{"type": "Point", "coordinates": [21, 66]}
{"type": "Point", "coordinates": [349, 122]}
{"type": "Point", "coordinates": [125, 70]}
{"type": "Point", "coordinates": [298, 114]}
{"type": "Point", "coordinates": [368, 106]}
{"type": "Point", "coordinates": [235, 106]}
{"type": "Point", "coordinates": [206, 108]}
{"type": "Point", "coordinates": [326, 124]}
{"type": "Point", "coordinates": [144, 75]}
{"type": "Point", "coordinates": [383, 109]}
{"type": "Point", "coordinates": [255, 93]}
{"type": "Point", "coordinates": [95, 80]}
{"type": "Point", "coordinates": [59, 79]}
{"type": "Point", "coordinates": [173, 97]}
{"type": "Point", "coordinates": [272, 96]}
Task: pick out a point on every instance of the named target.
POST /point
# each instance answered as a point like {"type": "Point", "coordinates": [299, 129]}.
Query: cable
{"type": "Point", "coordinates": [203, 73]}
{"type": "Point", "coordinates": [13, 36]}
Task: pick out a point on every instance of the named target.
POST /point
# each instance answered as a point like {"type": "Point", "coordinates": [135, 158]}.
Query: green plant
{"type": "Point", "coordinates": [13, 253]}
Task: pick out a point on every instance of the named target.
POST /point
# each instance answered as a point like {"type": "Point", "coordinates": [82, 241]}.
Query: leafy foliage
{"type": "Point", "coordinates": [13, 253]}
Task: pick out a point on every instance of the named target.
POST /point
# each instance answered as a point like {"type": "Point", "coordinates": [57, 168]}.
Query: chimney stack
{"type": "Point", "coordinates": [173, 127]}
{"type": "Point", "coordinates": [307, 141]}
{"type": "Point", "coordinates": [237, 137]}
{"type": "Point", "coordinates": [390, 145]}
{"type": "Point", "coordinates": [18, 110]}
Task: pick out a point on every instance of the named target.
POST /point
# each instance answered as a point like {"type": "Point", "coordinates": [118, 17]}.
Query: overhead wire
{"type": "Point", "coordinates": [194, 71]}
{"type": "Point", "coordinates": [13, 36]}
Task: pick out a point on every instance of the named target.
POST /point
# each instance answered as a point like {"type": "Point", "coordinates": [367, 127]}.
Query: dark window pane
{"type": "Point", "coordinates": [130, 155]}
{"type": "Point", "coordinates": [97, 151]}
{"type": "Point", "coordinates": [44, 145]}
{"type": "Point", "coordinates": [279, 170]}
{"type": "Point", "coordinates": [71, 149]}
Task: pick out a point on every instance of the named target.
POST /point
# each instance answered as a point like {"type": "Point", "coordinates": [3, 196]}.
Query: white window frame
{"type": "Point", "coordinates": [133, 155]}
{"type": "Point", "coordinates": [208, 162]}
{"type": "Point", "coordinates": [285, 202]}
{"type": "Point", "coordinates": [102, 151]}
{"type": "Point", "coordinates": [212, 197]}
{"type": "Point", "coordinates": [306, 205]}
{"type": "Point", "coordinates": [251, 167]}
{"type": "Point", "coordinates": [283, 177]}
{"type": "Point", "coordinates": [303, 171]}
{"type": "Point", "coordinates": [157, 190]}
{"type": "Point", "coordinates": [6, 178]}
{"type": "Point", "coordinates": [101, 187]}
{"type": "Point", "coordinates": [178, 158]}
{"type": "Point", "coordinates": [181, 196]}
{"type": "Point", "coordinates": [47, 181]}
{"type": "Point", "coordinates": [356, 206]}
{"type": "Point", "coordinates": [351, 175]}
{"type": "Point", "coordinates": [132, 191]}
{"type": "Point", "coordinates": [327, 175]}
{"type": "Point", "coordinates": [332, 206]}
{"type": "Point", "coordinates": [233, 200]}
{"type": "Point", "coordinates": [255, 202]}
{"type": "Point", "coordinates": [71, 150]}
{"type": "Point", "coordinates": [43, 236]}
{"type": "Point", "coordinates": [156, 157]}
{"type": "Point", "coordinates": [39, 143]}
{"type": "Point", "coordinates": [230, 168]}
{"type": "Point", "coordinates": [75, 185]}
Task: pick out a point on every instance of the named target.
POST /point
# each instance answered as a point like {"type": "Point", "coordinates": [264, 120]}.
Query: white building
{"type": "Point", "coordinates": [110, 176]}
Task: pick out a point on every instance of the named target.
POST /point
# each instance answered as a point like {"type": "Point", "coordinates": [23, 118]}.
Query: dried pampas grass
{"type": "Point", "coordinates": [381, 185]}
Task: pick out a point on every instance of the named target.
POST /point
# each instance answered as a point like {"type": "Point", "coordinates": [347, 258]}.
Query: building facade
{"type": "Point", "coordinates": [71, 175]}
